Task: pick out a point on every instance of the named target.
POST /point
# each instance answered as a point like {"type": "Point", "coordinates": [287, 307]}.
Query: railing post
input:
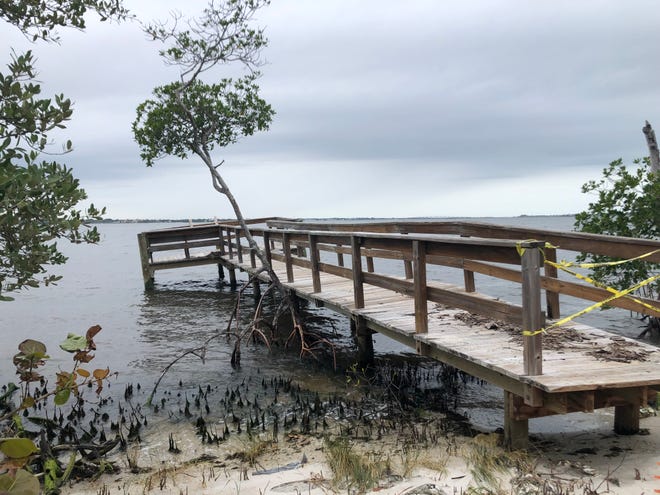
{"type": "Point", "coordinates": [407, 267]}
{"type": "Point", "coordinates": [468, 277]}
{"type": "Point", "coordinates": [230, 249]}
{"type": "Point", "coordinates": [314, 260]}
{"type": "Point", "coordinates": [551, 298]}
{"type": "Point", "coordinates": [186, 249]}
{"type": "Point", "coordinates": [340, 256]}
{"type": "Point", "coordinates": [370, 264]}
{"type": "Point", "coordinates": [358, 288]}
{"type": "Point", "coordinates": [419, 281]}
{"type": "Point", "coordinates": [147, 272]}
{"type": "Point", "coordinates": [221, 241]}
{"type": "Point", "coordinates": [267, 246]}
{"type": "Point", "coordinates": [286, 246]}
{"type": "Point", "coordinates": [531, 302]}
{"type": "Point", "coordinates": [239, 249]}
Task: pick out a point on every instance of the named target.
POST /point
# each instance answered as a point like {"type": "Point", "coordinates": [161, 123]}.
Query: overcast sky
{"type": "Point", "coordinates": [385, 108]}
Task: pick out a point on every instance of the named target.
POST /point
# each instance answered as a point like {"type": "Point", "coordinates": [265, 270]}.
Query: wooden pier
{"type": "Point", "coordinates": [571, 368]}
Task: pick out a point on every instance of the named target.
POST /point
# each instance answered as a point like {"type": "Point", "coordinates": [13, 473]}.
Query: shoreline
{"type": "Point", "coordinates": [593, 459]}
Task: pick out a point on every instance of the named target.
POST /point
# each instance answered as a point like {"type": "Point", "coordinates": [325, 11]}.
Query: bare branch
{"type": "Point", "coordinates": [653, 147]}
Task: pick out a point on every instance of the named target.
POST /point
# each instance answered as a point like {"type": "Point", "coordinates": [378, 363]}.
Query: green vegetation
{"type": "Point", "coordinates": [627, 204]}
{"type": "Point", "coordinates": [23, 457]}
{"type": "Point", "coordinates": [38, 197]}
{"type": "Point", "coordinates": [351, 469]}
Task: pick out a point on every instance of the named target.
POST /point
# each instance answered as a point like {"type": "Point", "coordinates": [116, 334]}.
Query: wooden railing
{"type": "Point", "coordinates": [575, 242]}
{"type": "Point", "coordinates": [471, 247]}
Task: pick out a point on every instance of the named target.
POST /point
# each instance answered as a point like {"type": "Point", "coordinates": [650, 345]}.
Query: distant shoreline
{"type": "Point", "coordinates": [208, 220]}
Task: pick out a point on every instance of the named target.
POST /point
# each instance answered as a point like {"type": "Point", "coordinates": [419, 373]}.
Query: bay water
{"type": "Point", "coordinates": [144, 331]}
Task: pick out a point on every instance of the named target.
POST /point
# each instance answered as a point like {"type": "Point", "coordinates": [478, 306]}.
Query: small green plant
{"type": "Point", "coordinates": [488, 461]}
{"type": "Point", "coordinates": [352, 469]}
{"type": "Point", "coordinates": [254, 448]}
{"type": "Point", "coordinates": [20, 451]}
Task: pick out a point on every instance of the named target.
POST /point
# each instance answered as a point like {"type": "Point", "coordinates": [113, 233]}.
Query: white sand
{"type": "Point", "coordinates": [620, 465]}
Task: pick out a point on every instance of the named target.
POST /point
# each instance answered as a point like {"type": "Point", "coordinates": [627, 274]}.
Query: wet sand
{"type": "Point", "coordinates": [593, 458]}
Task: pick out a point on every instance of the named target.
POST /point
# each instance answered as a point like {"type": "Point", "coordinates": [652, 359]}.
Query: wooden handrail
{"type": "Point", "coordinates": [442, 245]}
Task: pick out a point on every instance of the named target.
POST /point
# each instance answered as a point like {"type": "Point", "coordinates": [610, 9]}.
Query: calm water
{"type": "Point", "coordinates": [143, 331]}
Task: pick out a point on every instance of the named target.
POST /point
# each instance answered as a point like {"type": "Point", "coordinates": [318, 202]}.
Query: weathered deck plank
{"type": "Point", "coordinates": [568, 370]}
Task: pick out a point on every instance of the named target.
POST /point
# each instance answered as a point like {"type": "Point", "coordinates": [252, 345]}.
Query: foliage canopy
{"type": "Point", "coordinates": [627, 204]}
{"type": "Point", "coordinates": [38, 197]}
{"type": "Point", "coordinates": [196, 117]}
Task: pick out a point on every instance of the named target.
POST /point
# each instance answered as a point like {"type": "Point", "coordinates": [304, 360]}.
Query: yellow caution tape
{"type": "Point", "coordinates": [521, 250]}
{"type": "Point", "coordinates": [600, 285]}
{"type": "Point", "coordinates": [616, 294]}
{"type": "Point", "coordinates": [569, 264]}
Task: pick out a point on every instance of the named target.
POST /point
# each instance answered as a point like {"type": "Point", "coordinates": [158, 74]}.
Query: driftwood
{"type": "Point", "coordinates": [652, 143]}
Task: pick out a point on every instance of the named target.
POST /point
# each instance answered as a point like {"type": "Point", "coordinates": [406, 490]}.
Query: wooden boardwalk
{"type": "Point", "coordinates": [576, 368]}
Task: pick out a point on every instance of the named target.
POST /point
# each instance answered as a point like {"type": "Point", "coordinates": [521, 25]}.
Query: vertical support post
{"type": "Point", "coordinates": [286, 246]}
{"type": "Point", "coordinates": [516, 431]}
{"type": "Point", "coordinates": [626, 419]}
{"type": "Point", "coordinates": [147, 272]}
{"type": "Point", "coordinates": [230, 249]}
{"type": "Point", "coordinates": [267, 247]}
{"type": "Point", "coordinates": [314, 260]}
{"type": "Point", "coordinates": [221, 241]}
{"type": "Point", "coordinates": [232, 278]}
{"type": "Point", "coordinates": [551, 298]}
{"type": "Point", "coordinates": [239, 248]}
{"type": "Point", "coordinates": [370, 264]}
{"type": "Point", "coordinates": [221, 248]}
{"type": "Point", "coordinates": [531, 302]}
{"type": "Point", "coordinates": [340, 256]}
{"type": "Point", "coordinates": [365, 342]}
{"type": "Point", "coordinates": [420, 291]}
{"type": "Point", "coordinates": [256, 284]}
{"type": "Point", "coordinates": [186, 249]}
{"type": "Point", "coordinates": [408, 269]}
{"type": "Point", "coordinates": [532, 318]}
{"type": "Point", "coordinates": [626, 416]}
{"type": "Point", "coordinates": [419, 281]}
{"type": "Point", "coordinates": [468, 277]}
{"type": "Point", "coordinates": [358, 287]}
{"type": "Point", "coordinates": [253, 258]}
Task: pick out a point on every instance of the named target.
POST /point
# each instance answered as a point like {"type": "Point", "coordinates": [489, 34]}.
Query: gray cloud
{"type": "Point", "coordinates": [480, 97]}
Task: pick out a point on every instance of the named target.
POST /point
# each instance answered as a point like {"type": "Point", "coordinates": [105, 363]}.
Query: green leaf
{"type": "Point", "coordinates": [74, 343]}
{"type": "Point", "coordinates": [30, 346]}
{"type": "Point", "coordinates": [62, 396]}
{"type": "Point", "coordinates": [17, 448]}
{"type": "Point", "coordinates": [23, 483]}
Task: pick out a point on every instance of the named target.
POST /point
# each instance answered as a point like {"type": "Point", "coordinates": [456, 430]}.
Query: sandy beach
{"type": "Point", "coordinates": [592, 460]}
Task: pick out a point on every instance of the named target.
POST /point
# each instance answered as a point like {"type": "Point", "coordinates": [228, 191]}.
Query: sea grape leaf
{"type": "Point", "coordinates": [28, 402]}
{"type": "Point", "coordinates": [30, 346]}
{"type": "Point", "coordinates": [23, 483]}
{"type": "Point", "coordinates": [74, 343]}
{"type": "Point", "coordinates": [83, 356]}
{"type": "Point", "coordinates": [83, 372]}
{"type": "Point", "coordinates": [17, 447]}
{"type": "Point", "coordinates": [62, 396]}
{"type": "Point", "coordinates": [100, 374]}
{"type": "Point", "coordinates": [92, 331]}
